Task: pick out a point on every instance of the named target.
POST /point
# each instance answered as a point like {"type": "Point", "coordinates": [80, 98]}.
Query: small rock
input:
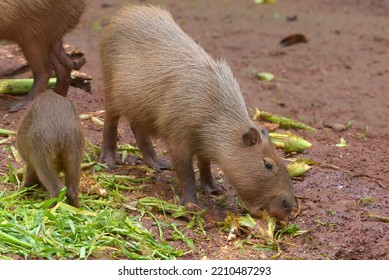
{"type": "Point", "coordinates": [338, 127]}
{"type": "Point", "coordinates": [292, 18]}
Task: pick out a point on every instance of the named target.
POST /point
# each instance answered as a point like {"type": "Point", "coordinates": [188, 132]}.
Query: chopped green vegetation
{"type": "Point", "coordinates": [376, 217]}
{"type": "Point", "coordinates": [321, 223]}
{"type": "Point", "coordinates": [365, 200]}
{"type": "Point", "coordinates": [263, 233]}
{"type": "Point", "coordinates": [32, 230]}
{"type": "Point", "coordinates": [107, 225]}
{"type": "Point", "coordinates": [342, 143]}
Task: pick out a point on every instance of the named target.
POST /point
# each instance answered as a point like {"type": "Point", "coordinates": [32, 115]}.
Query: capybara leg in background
{"type": "Point", "coordinates": [36, 54]}
{"type": "Point", "coordinates": [108, 151]}
{"type": "Point", "coordinates": [62, 65]}
{"type": "Point", "coordinates": [206, 179]}
{"type": "Point", "coordinates": [146, 147]}
{"type": "Point", "coordinates": [38, 28]}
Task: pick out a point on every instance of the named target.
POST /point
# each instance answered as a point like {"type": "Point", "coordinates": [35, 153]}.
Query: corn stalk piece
{"type": "Point", "coordinates": [289, 142]}
{"type": "Point", "coordinates": [7, 132]}
{"type": "Point", "coordinates": [283, 122]}
{"type": "Point", "coordinates": [20, 86]}
{"type": "Point", "coordinates": [296, 169]}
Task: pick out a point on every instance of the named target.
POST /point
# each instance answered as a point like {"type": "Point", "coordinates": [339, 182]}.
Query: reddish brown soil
{"type": "Point", "coordinates": [339, 75]}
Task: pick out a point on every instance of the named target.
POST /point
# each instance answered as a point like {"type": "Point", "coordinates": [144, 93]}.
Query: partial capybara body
{"type": "Point", "coordinates": [165, 85]}
{"type": "Point", "coordinates": [38, 28]}
{"type": "Point", "coordinates": [50, 140]}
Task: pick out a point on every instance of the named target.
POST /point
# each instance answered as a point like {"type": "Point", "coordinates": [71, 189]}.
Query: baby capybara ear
{"type": "Point", "coordinates": [251, 137]}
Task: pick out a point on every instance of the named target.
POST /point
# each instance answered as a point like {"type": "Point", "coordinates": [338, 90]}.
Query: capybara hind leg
{"type": "Point", "coordinates": [62, 65]}
{"type": "Point", "coordinates": [31, 177]}
{"type": "Point", "coordinates": [48, 174]}
{"type": "Point", "coordinates": [72, 162]}
{"type": "Point", "coordinates": [146, 147]}
{"type": "Point", "coordinates": [108, 152]}
{"type": "Point", "coordinates": [37, 56]}
{"type": "Point", "coordinates": [206, 180]}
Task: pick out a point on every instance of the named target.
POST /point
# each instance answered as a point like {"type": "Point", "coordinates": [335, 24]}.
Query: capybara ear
{"type": "Point", "coordinates": [251, 137]}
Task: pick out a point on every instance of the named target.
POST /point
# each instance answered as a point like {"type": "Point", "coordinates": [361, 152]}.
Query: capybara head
{"type": "Point", "coordinates": [259, 175]}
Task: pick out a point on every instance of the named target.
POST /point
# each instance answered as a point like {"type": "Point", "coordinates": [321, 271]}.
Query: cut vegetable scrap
{"type": "Point", "coordinates": [289, 142]}
{"type": "Point", "coordinates": [264, 232]}
{"type": "Point", "coordinates": [342, 143]}
{"type": "Point", "coordinates": [282, 121]}
{"type": "Point", "coordinates": [296, 169]}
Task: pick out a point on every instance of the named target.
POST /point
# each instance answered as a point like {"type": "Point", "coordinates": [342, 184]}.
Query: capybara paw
{"type": "Point", "coordinates": [191, 203]}
{"type": "Point", "coordinates": [18, 105]}
{"type": "Point", "coordinates": [193, 207]}
{"type": "Point", "coordinates": [158, 164]}
{"type": "Point", "coordinates": [163, 164]}
{"type": "Point", "coordinates": [211, 189]}
{"type": "Point", "coordinates": [217, 191]}
{"type": "Point", "coordinates": [108, 159]}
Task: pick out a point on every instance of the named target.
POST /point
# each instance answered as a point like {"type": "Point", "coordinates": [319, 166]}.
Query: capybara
{"type": "Point", "coordinates": [38, 28]}
{"type": "Point", "coordinates": [50, 140]}
{"type": "Point", "coordinates": [167, 86]}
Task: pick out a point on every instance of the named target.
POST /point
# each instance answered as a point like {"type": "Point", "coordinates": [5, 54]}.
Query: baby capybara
{"type": "Point", "coordinates": [50, 140]}
{"type": "Point", "coordinates": [38, 28]}
{"type": "Point", "coordinates": [165, 85]}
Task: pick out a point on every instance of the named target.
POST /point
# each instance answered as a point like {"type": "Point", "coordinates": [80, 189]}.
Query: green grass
{"type": "Point", "coordinates": [29, 229]}
{"type": "Point", "coordinates": [109, 224]}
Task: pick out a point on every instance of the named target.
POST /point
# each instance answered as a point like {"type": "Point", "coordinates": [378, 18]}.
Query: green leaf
{"type": "Point", "coordinates": [342, 143]}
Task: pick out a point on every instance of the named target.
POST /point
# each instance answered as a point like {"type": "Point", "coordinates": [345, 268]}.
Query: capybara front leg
{"type": "Point", "coordinates": [206, 180]}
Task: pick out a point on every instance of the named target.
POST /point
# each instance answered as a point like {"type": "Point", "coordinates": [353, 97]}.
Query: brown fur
{"type": "Point", "coordinates": [167, 86]}
{"type": "Point", "coordinates": [50, 140]}
{"type": "Point", "coordinates": [38, 28]}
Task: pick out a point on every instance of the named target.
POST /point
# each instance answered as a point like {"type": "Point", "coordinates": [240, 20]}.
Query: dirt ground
{"type": "Point", "coordinates": [340, 75]}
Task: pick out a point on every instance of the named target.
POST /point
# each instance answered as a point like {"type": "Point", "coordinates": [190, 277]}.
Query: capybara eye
{"type": "Point", "coordinates": [267, 165]}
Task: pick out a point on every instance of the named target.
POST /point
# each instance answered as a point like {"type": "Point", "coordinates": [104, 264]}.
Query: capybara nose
{"type": "Point", "coordinates": [287, 206]}
{"type": "Point", "coordinates": [281, 209]}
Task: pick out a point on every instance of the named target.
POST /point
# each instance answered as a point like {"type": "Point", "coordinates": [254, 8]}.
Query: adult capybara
{"type": "Point", "coordinates": [38, 28]}
{"type": "Point", "coordinates": [167, 86]}
{"type": "Point", "coordinates": [50, 140]}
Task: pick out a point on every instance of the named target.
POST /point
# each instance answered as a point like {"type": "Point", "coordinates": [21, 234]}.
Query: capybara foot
{"type": "Point", "coordinates": [18, 105]}
{"type": "Point", "coordinates": [211, 189]}
{"type": "Point", "coordinates": [163, 164]}
{"type": "Point", "coordinates": [193, 207]}
{"type": "Point", "coordinates": [109, 158]}
{"type": "Point", "coordinates": [158, 164]}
